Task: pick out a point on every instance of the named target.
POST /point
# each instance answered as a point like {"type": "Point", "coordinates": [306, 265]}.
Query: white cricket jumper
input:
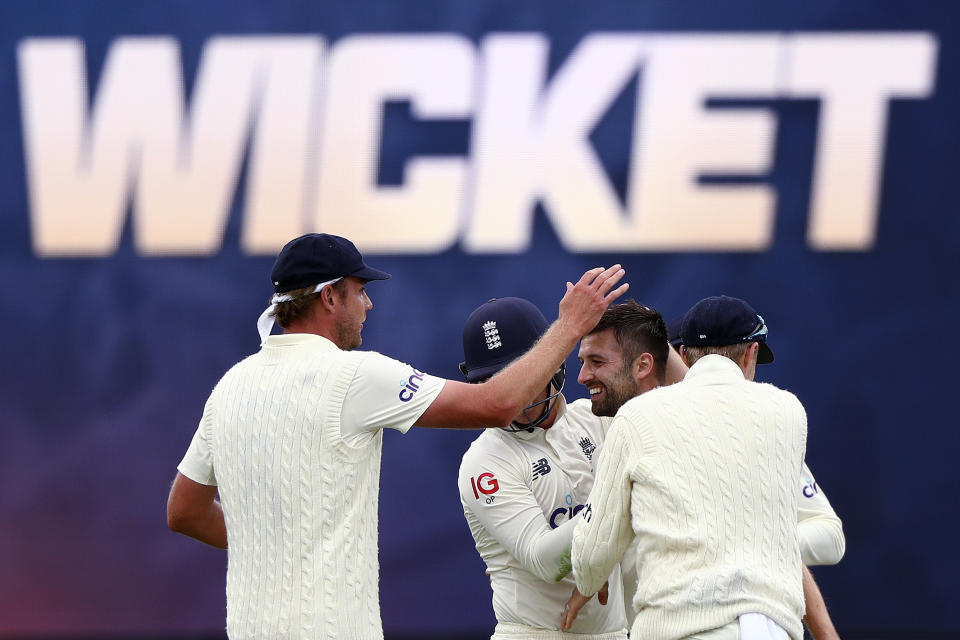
{"type": "Point", "coordinates": [704, 473]}
{"type": "Point", "coordinates": [292, 438]}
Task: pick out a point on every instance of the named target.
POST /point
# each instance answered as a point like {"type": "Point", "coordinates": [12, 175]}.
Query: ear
{"type": "Point", "coordinates": [750, 354]}
{"type": "Point", "coordinates": [683, 355]}
{"type": "Point", "coordinates": [329, 300]}
{"type": "Point", "coordinates": [642, 366]}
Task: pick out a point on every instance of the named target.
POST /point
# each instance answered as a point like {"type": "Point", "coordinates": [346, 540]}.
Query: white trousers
{"type": "Point", "coordinates": [749, 626]}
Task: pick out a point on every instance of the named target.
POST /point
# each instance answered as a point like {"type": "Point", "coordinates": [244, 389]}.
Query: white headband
{"type": "Point", "coordinates": [265, 323]}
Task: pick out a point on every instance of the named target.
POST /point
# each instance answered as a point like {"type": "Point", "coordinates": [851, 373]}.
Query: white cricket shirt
{"type": "Point", "coordinates": [516, 488]}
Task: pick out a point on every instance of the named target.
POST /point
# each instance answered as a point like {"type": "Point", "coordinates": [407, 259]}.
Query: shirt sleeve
{"type": "Point", "coordinates": [820, 529]}
{"type": "Point", "coordinates": [497, 494]}
{"type": "Point", "coordinates": [386, 394]}
{"type": "Point", "coordinates": [603, 531]}
{"type": "Point", "coordinates": [197, 463]}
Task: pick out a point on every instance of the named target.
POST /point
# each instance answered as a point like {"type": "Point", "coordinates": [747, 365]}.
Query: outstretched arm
{"type": "Point", "coordinates": [497, 401]}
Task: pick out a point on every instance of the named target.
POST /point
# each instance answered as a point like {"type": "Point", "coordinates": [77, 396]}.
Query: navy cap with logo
{"type": "Point", "coordinates": [497, 333]}
{"type": "Point", "coordinates": [317, 257]}
{"type": "Point", "coordinates": [723, 320]}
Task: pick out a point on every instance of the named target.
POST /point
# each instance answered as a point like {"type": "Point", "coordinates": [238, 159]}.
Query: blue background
{"type": "Point", "coordinates": [107, 361]}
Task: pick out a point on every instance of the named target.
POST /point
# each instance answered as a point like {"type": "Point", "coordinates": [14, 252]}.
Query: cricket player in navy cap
{"type": "Point", "coordinates": [290, 439]}
{"type": "Point", "coordinates": [701, 477]}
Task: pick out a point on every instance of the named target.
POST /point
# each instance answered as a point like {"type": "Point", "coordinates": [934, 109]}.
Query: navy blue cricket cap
{"type": "Point", "coordinates": [497, 333]}
{"type": "Point", "coordinates": [722, 320]}
{"type": "Point", "coordinates": [318, 257]}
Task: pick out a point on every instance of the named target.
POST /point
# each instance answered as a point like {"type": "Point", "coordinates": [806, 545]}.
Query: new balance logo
{"type": "Point", "coordinates": [491, 335]}
{"type": "Point", "coordinates": [541, 468]}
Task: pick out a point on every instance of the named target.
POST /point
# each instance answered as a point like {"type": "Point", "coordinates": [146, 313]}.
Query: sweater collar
{"type": "Point", "coordinates": [297, 339]}
{"type": "Point", "coordinates": [715, 366]}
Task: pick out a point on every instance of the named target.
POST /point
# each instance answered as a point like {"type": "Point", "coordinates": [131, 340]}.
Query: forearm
{"type": "Point", "coordinates": [604, 531]}
{"type": "Point", "coordinates": [524, 378]}
{"type": "Point", "coordinates": [549, 557]}
{"type": "Point", "coordinates": [207, 527]}
{"type": "Point", "coordinates": [193, 510]}
{"type": "Point", "coordinates": [593, 559]}
{"type": "Point", "coordinates": [817, 618]}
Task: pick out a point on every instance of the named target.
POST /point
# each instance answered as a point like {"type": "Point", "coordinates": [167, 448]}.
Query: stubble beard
{"type": "Point", "coordinates": [616, 395]}
{"type": "Point", "coordinates": [348, 336]}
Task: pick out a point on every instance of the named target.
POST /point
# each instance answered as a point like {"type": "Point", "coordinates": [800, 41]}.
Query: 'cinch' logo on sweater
{"type": "Point", "coordinates": [411, 386]}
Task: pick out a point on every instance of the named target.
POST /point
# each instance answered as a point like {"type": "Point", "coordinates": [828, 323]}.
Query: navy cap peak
{"type": "Point", "coordinates": [318, 257]}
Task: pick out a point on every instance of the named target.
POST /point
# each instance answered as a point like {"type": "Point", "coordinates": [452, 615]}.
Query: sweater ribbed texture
{"type": "Point", "coordinates": [300, 504]}
{"type": "Point", "coordinates": [709, 469]}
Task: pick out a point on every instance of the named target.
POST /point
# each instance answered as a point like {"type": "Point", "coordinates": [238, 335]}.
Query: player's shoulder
{"type": "Point", "coordinates": [581, 411]}
{"type": "Point", "coordinates": [373, 359]}
{"type": "Point", "coordinates": [579, 416]}
{"type": "Point", "coordinates": [491, 452]}
{"type": "Point", "coordinates": [378, 369]}
{"type": "Point", "coordinates": [782, 395]}
{"type": "Point", "coordinates": [237, 371]}
{"type": "Point", "coordinates": [490, 443]}
{"type": "Point", "coordinates": [637, 405]}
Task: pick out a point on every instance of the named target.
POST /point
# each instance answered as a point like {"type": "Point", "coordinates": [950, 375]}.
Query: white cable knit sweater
{"type": "Point", "coordinates": [704, 473]}
{"type": "Point", "coordinates": [299, 487]}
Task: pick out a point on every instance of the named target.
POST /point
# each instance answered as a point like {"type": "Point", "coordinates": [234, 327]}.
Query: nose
{"type": "Point", "coordinates": [585, 374]}
{"type": "Point", "coordinates": [367, 302]}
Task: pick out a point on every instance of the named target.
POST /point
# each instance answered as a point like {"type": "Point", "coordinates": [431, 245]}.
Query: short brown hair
{"type": "Point", "coordinates": [733, 351]}
{"type": "Point", "coordinates": [290, 311]}
{"type": "Point", "coordinates": [638, 329]}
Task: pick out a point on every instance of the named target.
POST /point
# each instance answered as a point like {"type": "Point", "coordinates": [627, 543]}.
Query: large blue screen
{"type": "Point", "coordinates": [155, 155]}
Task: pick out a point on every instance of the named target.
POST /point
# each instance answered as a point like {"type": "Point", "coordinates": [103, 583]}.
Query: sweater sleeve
{"type": "Point", "coordinates": [494, 489]}
{"type": "Point", "coordinates": [819, 527]}
{"type": "Point", "coordinates": [197, 462]}
{"type": "Point", "coordinates": [603, 531]}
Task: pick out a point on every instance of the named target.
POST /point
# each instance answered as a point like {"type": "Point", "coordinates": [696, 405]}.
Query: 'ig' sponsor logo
{"type": "Point", "coordinates": [486, 483]}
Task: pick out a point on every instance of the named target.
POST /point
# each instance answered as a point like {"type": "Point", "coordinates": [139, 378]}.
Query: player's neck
{"type": "Point", "coordinates": [315, 326]}
{"type": "Point", "coordinates": [554, 413]}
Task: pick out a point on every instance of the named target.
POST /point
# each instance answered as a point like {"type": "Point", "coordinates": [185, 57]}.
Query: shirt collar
{"type": "Point", "coordinates": [295, 339]}
{"type": "Point", "coordinates": [714, 365]}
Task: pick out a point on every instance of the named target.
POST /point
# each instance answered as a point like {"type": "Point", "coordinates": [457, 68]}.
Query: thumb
{"type": "Point", "coordinates": [569, 286]}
